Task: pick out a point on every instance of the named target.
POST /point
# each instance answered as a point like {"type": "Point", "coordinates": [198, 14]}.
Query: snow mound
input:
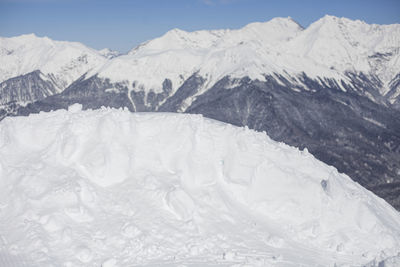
{"type": "Point", "coordinates": [112, 188]}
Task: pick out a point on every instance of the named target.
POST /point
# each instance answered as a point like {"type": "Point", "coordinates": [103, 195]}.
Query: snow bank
{"type": "Point", "coordinates": [112, 188]}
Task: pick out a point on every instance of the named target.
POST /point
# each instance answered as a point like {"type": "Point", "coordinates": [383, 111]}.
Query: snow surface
{"type": "Point", "coordinates": [112, 188]}
{"type": "Point", "coordinates": [327, 48]}
{"type": "Point", "coordinates": [62, 62]}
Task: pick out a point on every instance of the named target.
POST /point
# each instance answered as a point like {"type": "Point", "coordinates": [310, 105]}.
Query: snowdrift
{"type": "Point", "coordinates": [112, 188]}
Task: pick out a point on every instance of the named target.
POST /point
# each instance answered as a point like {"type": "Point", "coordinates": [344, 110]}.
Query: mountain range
{"type": "Point", "coordinates": [333, 87]}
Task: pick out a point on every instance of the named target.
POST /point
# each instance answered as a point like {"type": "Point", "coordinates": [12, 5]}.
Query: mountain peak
{"type": "Point", "coordinates": [24, 37]}
{"type": "Point", "coordinates": [278, 22]}
{"type": "Point", "coordinates": [329, 19]}
{"type": "Point", "coordinates": [27, 40]}
{"type": "Point", "coordinates": [28, 52]}
{"type": "Point", "coordinates": [176, 31]}
{"type": "Point", "coordinates": [29, 35]}
{"type": "Point", "coordinates": [288, 21]}
{"type": "Point", "coordinates": [108, 53]}
{"type": "Point", "coordinates": [270, 32]}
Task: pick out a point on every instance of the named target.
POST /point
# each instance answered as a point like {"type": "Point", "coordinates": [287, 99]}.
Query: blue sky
{"type": "Point", "coordinates": [123, 24]}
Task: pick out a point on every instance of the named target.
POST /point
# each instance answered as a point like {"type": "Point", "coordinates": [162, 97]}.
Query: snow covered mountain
{"type": "Point", "coordinates": [332, 49]}
{"type": "Point", "coordinates": [34, 67]}
{"type": "Point", "coordinates": [333, 87]}
{"type": "Point", "coordinates": [335, 49]}
{"type": "Point", "coordinates": [111, 188]}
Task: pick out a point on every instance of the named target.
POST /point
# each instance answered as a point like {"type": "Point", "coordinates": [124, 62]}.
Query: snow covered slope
{"type": "Point", "coordinates": [328, 48]}
{"type": "Point", "coordinates": [61, 63]}
{"type": "Point", "coordinates": [112, 188]}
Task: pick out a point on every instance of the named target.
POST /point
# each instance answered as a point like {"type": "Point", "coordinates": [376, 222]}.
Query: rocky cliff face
{"type": "Point", "coordinates": [26, 88]}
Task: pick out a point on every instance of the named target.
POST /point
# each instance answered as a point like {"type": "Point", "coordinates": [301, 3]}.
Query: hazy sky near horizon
{"type": "Point", "coordinates": [123, 24]}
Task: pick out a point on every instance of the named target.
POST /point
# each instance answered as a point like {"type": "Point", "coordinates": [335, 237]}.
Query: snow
{"type": "Point", "coordinates": [108, 53]}
{"type": "Point", "coordinates": [179, 54]}
{"type": "Point", "coordinates": [328, 48]}
{"type": "Point", "coordinates": [377, 123]}
{"type": "Point", "coordinates": [114, 188]}
{"type": "Point", "coordinates": [63, 62]}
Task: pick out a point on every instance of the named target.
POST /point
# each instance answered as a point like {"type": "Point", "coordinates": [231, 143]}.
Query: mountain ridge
{"type": "Point", "coordinates": [300, 49]}
{"type": "Point", "coordinates": [244, 52]}
{"type": "Point", "coordinates": [64, 61]}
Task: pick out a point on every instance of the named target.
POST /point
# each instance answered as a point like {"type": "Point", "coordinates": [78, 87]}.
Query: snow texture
{"type": "Point", "coordinates": [112, 188]}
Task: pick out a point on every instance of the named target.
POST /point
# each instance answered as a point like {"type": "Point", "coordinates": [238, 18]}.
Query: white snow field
{"type": "Point", "coordinates": [111, 188]}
